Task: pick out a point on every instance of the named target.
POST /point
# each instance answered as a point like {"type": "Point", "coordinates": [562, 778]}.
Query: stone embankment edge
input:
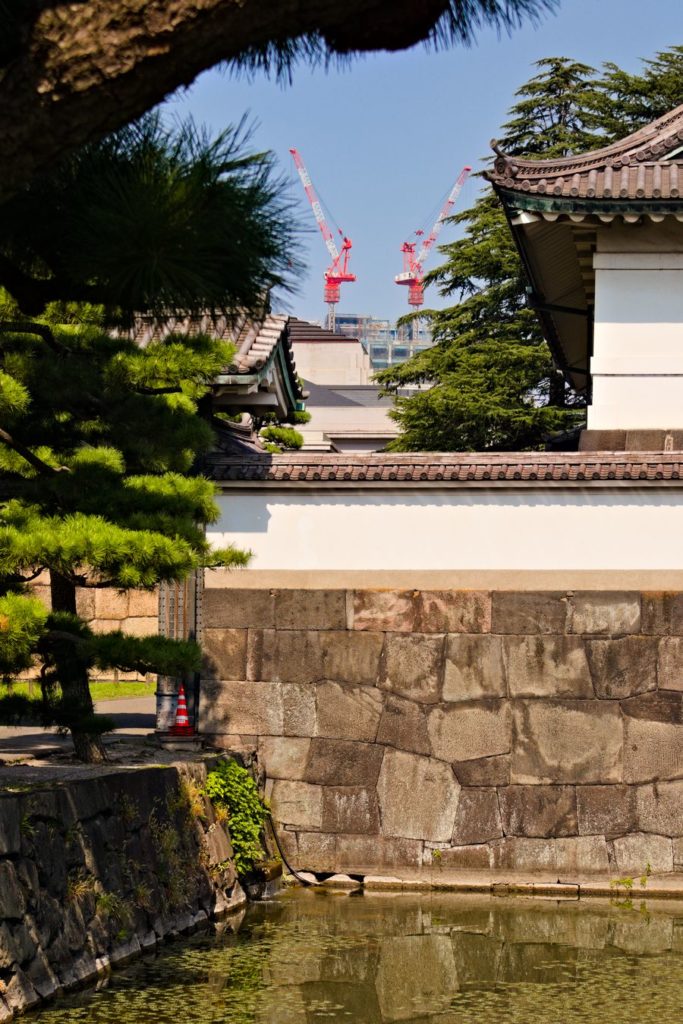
{"type": "Point", "coordinates": [666, 888]}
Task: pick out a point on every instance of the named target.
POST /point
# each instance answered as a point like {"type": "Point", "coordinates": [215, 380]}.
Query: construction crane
{"type": "Point", "coordinates": [338, 272]}
{"type": "Point", "coordinates": [412, 274]}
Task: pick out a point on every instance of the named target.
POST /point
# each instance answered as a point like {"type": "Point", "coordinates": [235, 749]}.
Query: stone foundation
{"type": "Point", "coordinates": [486, 730]}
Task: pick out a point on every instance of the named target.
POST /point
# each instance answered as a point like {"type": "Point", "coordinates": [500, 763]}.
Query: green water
{"type": "Point", "coordinates": [309, 957]}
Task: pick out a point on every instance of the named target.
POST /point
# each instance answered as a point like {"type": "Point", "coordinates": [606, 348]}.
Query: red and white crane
{"type": "Point", "coordinates": [413, 262]}
{"type": "Point", "coordinates": [338, 272]}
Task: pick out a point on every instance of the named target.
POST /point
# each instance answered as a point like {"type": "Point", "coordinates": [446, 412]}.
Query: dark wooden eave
{"type": "Point", "coordinates": [555, 208]}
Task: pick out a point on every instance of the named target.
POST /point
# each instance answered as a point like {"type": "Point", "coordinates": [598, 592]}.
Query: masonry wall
{"type": "Point", "coordinates": [492, 730]}
{"type": "Point", "coordinates": [97, 867]}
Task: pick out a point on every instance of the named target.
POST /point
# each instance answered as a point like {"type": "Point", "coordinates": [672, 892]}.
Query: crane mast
{"type": "Point", "coordinates": [338, 272]}
{"type": "Point", "coordinates": [413, 261]}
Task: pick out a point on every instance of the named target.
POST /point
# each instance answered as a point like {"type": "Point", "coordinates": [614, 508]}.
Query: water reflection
{"type": "Point", "coordinates": [443, 959]}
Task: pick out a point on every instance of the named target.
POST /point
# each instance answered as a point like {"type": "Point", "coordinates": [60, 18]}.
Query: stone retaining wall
{"type": "Point", "coordinates": [98, 868]}
{"type": "Point", "coordinates": [488, 730]}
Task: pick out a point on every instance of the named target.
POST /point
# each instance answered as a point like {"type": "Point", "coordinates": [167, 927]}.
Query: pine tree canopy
{"type": "Point", "coordinates": [152, 218]}
{"type": "Point", "coordinates": [100, 438]}
{"type": "Point", "coordinates": [489, 380]}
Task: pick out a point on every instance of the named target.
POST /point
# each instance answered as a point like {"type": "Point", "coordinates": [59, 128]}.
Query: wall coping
{"type": "Point", "coordinates": [446, 579]}
{"type": "Point", "coordinates": [450, 470]}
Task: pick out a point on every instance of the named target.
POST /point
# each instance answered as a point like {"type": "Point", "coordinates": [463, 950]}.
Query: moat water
{"type": "Point", "coordinates": [308, 957]}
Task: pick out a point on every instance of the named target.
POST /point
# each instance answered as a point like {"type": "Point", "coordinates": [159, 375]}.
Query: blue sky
{"type": "Point", "coordinates": [385, 138]}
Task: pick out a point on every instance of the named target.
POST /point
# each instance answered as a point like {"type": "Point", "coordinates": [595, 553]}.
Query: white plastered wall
{"type": "Point", "coordinates": [541, 530]}
{"type": "Point", "coordinates": [637, 363]}
{"type": "Point", "coordinates": [329, 362]}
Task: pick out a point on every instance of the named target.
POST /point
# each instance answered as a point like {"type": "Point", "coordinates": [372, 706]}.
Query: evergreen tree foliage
{"type": "Point", "coordinates": [152, 218]}
{"type": "Point", "coordinates": [99, 437]}
{"type": "Point", "coordinates": [490, 376]}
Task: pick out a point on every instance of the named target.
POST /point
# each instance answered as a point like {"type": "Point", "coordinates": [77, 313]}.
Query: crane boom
{"type": "Point", "coordinates": [445, 210]}
{"type": "Point", "coordinates": [338, 272]}
{"type": "Point", "coordinates": [315, 204]}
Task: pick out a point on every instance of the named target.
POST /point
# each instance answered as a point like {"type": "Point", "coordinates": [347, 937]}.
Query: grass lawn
{"type": "Point", "coordinates": [102, 690]}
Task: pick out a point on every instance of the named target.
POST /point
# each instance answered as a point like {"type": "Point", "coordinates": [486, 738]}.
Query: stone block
{"type": "Point", "coordinates": [317, 851]}
{"type": "Point", "coordinates": [350, 809]}
{"type": "Point", "coordinates": [623, 666]}
{"type": "Point", "coordinates": [284, 757]}
{"type": "Point", "coordinates": [343, 763]}
{"type": "Point", "coordinates": [660, 808]}
{"type": "Point", "coordinates": [351, 656]}
{"type": "Point", "coordinates": [547, 666]}
{"type": "Point", "coordinates": [521, 854]}
{"type": "Point", "coordinates": [474, 667]}
{"type": "Point", "coordinates": [522, 612]}
{"type": "Point", "coordinates": [297, 803]}
{"type": "Point", "coordinates": [298, 710]}
{"type": "Point", "coordinates": [12, 905]}
{"type": "Point", "coordinates": [404, 725]}
{"type": "Point", "coordinates": [583, 855]}
{"type": "Point", "coordinates": [662, 613]}
{"type": "Point", "coordinates": [19, 994]}
{"type": "Point", "coordinates": [462, 858]}
{"type": "Point", "coordinates": [385, 610]}
{"type": "Point", "coordinates": [111, 604]}
{"type": "Point", "coordinates": [310, 609]}
{"type": "Point", "coordinates": [238, 609]}
{"type": "Point", "coordinates": [634, 852]}
{"type": "Point", "coordinates": [412, 666]}
{"type": "Point", "coordinates": [538, 811]}
{"type": "Point", "coordinates": [10, 819]}
{"type": "Point", "coordinates": [670, 664]}
{"type": "Point", "coordinates": [418, 797]}
{"type": "Point", "coordinates": [484, 771]}
{"type": "Point", "coordinates": [232, 706]}
{"type": "Point", "coordinates": [357, 853]}
{"type": "Point", "coordinates": [291, 656]}
{"type": "Point", "coordinates": [218, 845]}
{"type": "Point", "coordinates": [478, 817]}
{"type": "Point", "coordinates": [85, 602]}
{"type": "Point", "coordinates": [652, 750]}
{"type": "Point", "coordinates": [575, 855]}
{"type": "Point", "coordinates": [454, 611]}
{"type": "Point", "coordinates": [463, 732]}
{"type": "Point", "coordinates": [665, 707]}
{"type": "Point", "coordinates": [566, 742]}
{"type": "Point", "coordinates": [606, 810]}
{"type": "Point", "coordinates": [140, 625]}
{"type": "Point", "coordinates": [348, 712]}
{"type": "Point", "coordinates": [143, 603]}
{"type": "Point", "coordinates": [225, 653]}
{"type": "Point", "coordinates": [605, 613]}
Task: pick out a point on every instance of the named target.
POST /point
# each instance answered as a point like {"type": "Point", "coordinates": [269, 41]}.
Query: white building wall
{"type": "Point", "coordinates": [326, 362]}
{"type": "Point", "coordinates": [501, 530]}
{"type": "Point", "coordinates": [637, 363]}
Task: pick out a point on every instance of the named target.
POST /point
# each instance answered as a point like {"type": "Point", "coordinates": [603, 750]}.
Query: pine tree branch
{"type": "Point", "coordinates": [170, 390]}
{"type": "Point", "coordinates": [33, 460]}
{"type": "Point", "coordinates": [41, 330]}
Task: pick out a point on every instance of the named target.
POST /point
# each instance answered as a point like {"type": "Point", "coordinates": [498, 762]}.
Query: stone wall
{"type": "Point", "coordinates": [134, 611]}
{"type": "Point", "coordinates": [491, 730]}
{"type": "Point", "coordinates": [97, 867]}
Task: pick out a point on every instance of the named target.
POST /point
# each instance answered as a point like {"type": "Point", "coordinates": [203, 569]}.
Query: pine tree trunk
{"type": "Point", "coordinates": [79, 70]}
{"type": "Point", "coordinates": [73, 678]}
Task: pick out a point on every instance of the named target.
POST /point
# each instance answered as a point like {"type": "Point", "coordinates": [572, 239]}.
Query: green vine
{"type": "Point", "coordinates": [231, 787]}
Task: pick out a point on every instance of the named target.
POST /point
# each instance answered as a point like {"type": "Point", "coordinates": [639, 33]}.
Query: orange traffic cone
{"type": "Point", "coordinates": [182, 725]}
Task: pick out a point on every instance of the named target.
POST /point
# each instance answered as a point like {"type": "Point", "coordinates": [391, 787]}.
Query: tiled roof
{"type": "Point", "coordinates": [513, 469]}
{"type": "Point", "coordinates": [644, 166]}
{"type": "Point", "coordinates": [302, 330]}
